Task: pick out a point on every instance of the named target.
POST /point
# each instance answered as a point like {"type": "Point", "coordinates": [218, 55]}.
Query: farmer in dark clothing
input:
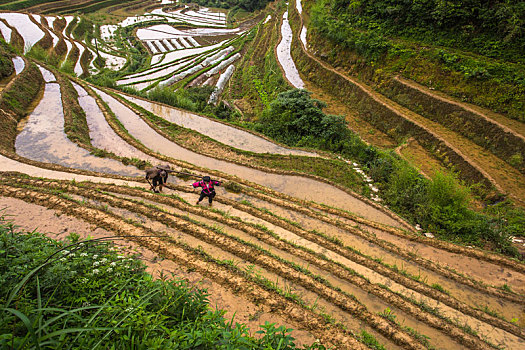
{"type": "Point", "coordinates": [158, 176]}
{"type": "Point", "coordinates": [207, 188]}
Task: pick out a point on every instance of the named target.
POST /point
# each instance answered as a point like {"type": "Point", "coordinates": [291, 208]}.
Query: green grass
{"type": "Point", "coordinates": [477, 66]}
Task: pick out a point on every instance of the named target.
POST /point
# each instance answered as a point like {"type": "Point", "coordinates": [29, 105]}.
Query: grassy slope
{"type": "Point", "coordinates": [15, 102]}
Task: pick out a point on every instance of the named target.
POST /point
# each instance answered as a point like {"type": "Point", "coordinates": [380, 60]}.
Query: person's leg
{"type": "Point", "coordinates": [163, 181]}
{"type": "Point", "coordinates": [201, 197]}
{"type": "Point", "coordinates": [210, 197]}
{"type": "Point", "coordinates": [155, 182]}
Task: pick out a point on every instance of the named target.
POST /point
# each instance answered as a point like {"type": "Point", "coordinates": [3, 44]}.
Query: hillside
{"type": "Point", "coordinates": [370, 165]}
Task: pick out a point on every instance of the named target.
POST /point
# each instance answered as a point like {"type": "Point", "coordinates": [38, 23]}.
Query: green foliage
{"type": "Point", "coordinates": [248, 5]}
{"type": "Point", "coordinates": [19, 5]}
{"type": "Point", "coordinates": [369, 340]}
{"type": "Point", "coordinates": [494, 29]}
{"type": "Point", "coordinates": [294, 118]}
{"type": "Point", "coordinates": [84, 295]}
{"type": "Point", "coordinates": [6, 64]}
{"type": "Point", "coordinates": [388, 314]}
{"type": "Point", "coordinates": [21, 93]}
{"type": "Point", "coordinates": [43, 55]}
{"type": "Point", "coordinates": [83, 28]}
{"type": "Point", "coordinates": [193, 99]}
{"type": "Point", "coordinates": [68, 67]}
{"type": "Point", "coordinates": [478, 61]}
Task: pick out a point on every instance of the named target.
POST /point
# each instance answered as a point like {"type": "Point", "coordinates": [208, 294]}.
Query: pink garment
{"type": "Point", "coordinates": [207, 187]}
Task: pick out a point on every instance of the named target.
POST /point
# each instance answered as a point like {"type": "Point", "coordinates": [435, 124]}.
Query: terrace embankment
{"type": "Point", "coordinates": [16, 100]}
{"type": "Point", "coordinates": [43, 139]}
{"type": "Point", "coordinates": [485, 149]}
{"type": "Point", "coordinates": [293, 185]}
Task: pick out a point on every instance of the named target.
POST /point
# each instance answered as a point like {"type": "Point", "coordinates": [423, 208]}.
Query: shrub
{"type": "Point", "coordinates": [294, 118]}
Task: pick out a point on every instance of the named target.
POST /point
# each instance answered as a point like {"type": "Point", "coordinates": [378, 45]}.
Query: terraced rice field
{"type": "Point", "coordinates": [285, 248]}
{"type": "Point", "coordinates": [474, 141]}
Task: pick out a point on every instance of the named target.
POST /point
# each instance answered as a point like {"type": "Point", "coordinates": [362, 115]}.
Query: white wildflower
{"type": "Point", "coordinates": [96, 271]}
{"type": "Point", "coordinates": [120, 257]}
{"type": "Point", "coordinates": [109, 269]}
{"type": "Point", "coordinates": [96, 263]}
{"type": "Point", "coordinates": [95, 256]}
{"type": "Point", "coordinates": [62, 259]}
{"type": "Point", "coordinates": [113, 264]}
{"type": "Point", "coordinates": [103, 260]}
{"type": "Point", "coordinates": [65, 252]}
{"type": "Point", "coordinates": [83, 254]}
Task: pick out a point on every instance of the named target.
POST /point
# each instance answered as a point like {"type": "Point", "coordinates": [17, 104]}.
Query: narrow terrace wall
{"type": "Point", "coordinates": [377, 114]}
{"type": "Point", "coordinates": [15, 102]}
{"type": "Point", "coordinates": [471, 125]}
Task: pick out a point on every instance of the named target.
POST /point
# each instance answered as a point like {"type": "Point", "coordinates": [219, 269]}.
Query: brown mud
{"type": "Point", "coordinates": [313, 261]}
{"type": "Point", "coordinates": [179, 253]}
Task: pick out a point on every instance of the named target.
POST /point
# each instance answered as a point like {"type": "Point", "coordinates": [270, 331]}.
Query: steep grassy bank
{"type": "Point", "coordinates": [257, 79]}
{"type": "Point", "coordinates": [15, 102]}
{"type": "Point", "coordinates": [466, 64]}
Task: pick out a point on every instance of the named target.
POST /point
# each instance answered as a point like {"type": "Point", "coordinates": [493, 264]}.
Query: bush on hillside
{"type": "Point", "coordinates": [294, 118]}
{"type": "Point", "coordinates": [58, 295]}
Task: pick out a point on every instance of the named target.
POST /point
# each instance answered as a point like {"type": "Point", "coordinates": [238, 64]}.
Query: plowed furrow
{"type": "Point", "coordinates": [242, 237]}
{"type": "Point", "coordinates": [323, 212]}
{"type": "Point", "coordinates": [334, 247]}
{"type": "Point", "coordinates": [330, 266]}
{"type": "Point", "coordinates": [193, 259]}
{"type": "Point", "coordinates": [339, 299]}
{"type": "Point", "coordinates": [496, 261]}
{"type": "Point", "coordinates": [58, 226]}
{"type": "Point", "coordinates": [392, 274]}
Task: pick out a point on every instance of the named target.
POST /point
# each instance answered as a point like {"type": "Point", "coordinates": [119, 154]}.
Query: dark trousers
{"type": "Point", "coordinates": [159, 180]}
{"type": "Point", "coordinates": [209, 195]}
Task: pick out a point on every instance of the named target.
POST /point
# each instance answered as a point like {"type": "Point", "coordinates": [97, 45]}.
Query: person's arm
{"type": "Point", "coordinates": [216, 183]}
{"type": "Point", "coordinates": [196, 184]}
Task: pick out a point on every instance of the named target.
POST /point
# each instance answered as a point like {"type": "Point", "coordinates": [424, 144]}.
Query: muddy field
{"type": "Point", "coordinates": [277, 247]}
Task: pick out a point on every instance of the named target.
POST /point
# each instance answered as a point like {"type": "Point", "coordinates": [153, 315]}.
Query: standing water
{"type": "Point", "coordinates": [284, 56]}
{"type": "Point", "coordinates": [223, 133]}
{"type": "Point", "coordinates": [101, 134]}
{"type": "Point", "coordinates": [43, 139]}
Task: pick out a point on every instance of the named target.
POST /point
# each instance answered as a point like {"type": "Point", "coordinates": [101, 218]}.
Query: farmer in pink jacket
{"type": "Point", "coordinates": [207, 188]}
